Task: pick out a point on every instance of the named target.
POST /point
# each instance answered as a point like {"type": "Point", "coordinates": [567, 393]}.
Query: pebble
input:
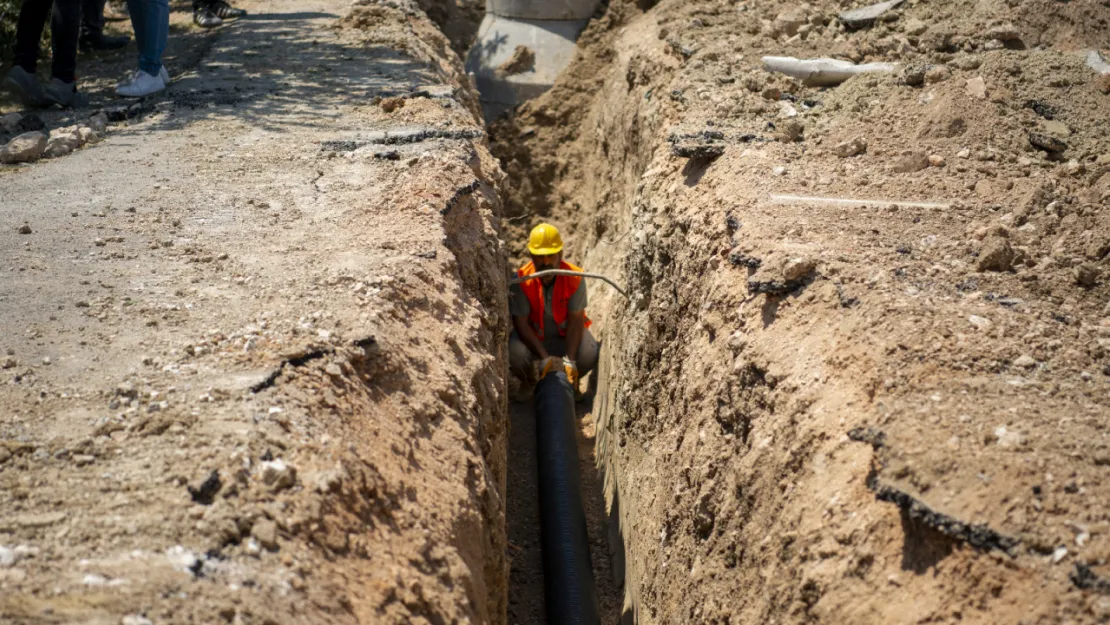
{"type": "Point", "coordinates": [136, 619]}
{"type": "Point", "coordinates": [981, 323]}
{"type": "Point", "coordinates": [1059, 554]}
{"type": "Point", "coordinates": [1046, 142]}
{"type": "Point", "coordinates": [779, 171]}
{"type": "Point", "coordinates": [996, 254]}
{"type": "Point", "coordinates": [24, 229]}
{"type": "Point", "coordinates": [798, 268]}
{"type": "Point", "coordinates": [265, 532]}
{"type": "Point", "coordinates": [910, 162]}
{"type": "Point", "coordinates": [87, 135]}
{"type": "Point", "coordinates": [964, 153]}
{"type": "Point", "coordinates": [277, 474]}
{"type": "Point", "coordinates": [846, 149]}
{"type": "Point", "coordinates": [24, 148]}
{"type": "Point", "coordinates": [915, 27]}
{"type": "Point", "coordinates": [977, 88]}
{"type": "Point", "coordinates": [1025, 361]}
{"type": "Point", "coordinates": [1087, 275]}
{"type": "Point", "coordinates": [936, 160]}
{"type": "Point", "coordinates": [937, 74]}
{"type": "Point", "coordinates": [8, 556]}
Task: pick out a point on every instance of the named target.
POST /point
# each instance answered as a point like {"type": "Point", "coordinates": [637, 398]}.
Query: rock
{"type": "Point", "coordinates": [977, 88]}
{"type": "Point", "coordinates": [980, 323]}
{"type": "Point", "coordinates": [278, 475]}
{"type": "Point", "coordinates": [1056, 128]}
{"type": "Point", "coordinates": [8, 363]}
{"type": "Point", "coordinates": [937, 74]}
{"type": "Point", "coordinates": [265, 532]}
{"type": "Point", "coordinates": [10, 122]}
{"type": "Point", "coordinates": [1087, 275]}
{"type": "Point", "coordinates": [788, 22]}
{"type": "Point", "coordinates": [523, 59]}
{"type": "Point", "coordinates": [798, 269]}
{"type": "Point", "coordinates": [1025, 361]}
{"type": "Point", "coordinates": [1059, 554]}
{"type": "Point", "coordinates": [136, 619]}
{"type": "Point", "coordinates": [8, 556]}
{"type": "Point", "coordinates": [1007, 438]}
{"type": "Point", "coordinates": [98, 123]}
{"type": "Point", "coordinates": [25, 148]}
{"type": "Point", "coordinates": [936, 160]}
{"type": "Point", "coordinates": [1099, 248]}
{"type": "Point", "coordinates": [62, 141]}
{"type": "Point", "coordinates": [996, 254]}
{"type": "Point", "coordinates": [909, 162]}
{"type": "Point", "coordinates": [790, 131]}
{"type": "Point", "coordinates": [1004, 33]}
{"type": "Point", "coordinates": [914, 74]}
{"type": "Point", "coordinates": [865, 16]}
{"type": "Point", "coordinates": [1102, 83]}
{"type": "Point", "coordinates": [1047, 143]}
{"type": "Point", "coordinates": [205, 491]}
{"type": "Point", "coordinates": [914, 27]}
{"type": "Point", "coordinates": [779, 171]}
{"type": "Point", "coordinates": [87, 135]}
{"type": "Point", "coordinates": [846, 149]}
{"type": "Point", "coordinates": [24, 229]}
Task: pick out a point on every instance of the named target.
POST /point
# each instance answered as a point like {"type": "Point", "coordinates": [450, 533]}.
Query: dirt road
{"type": "Point", "coordinates": [253, 342]}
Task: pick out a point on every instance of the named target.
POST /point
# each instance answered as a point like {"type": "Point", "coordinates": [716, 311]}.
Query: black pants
{"type": "Point", "coordinates": [66, 27]}
{"type": "Point", "coordinates": [92, 16]}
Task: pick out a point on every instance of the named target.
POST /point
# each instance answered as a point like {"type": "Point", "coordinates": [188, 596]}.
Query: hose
{"type": "Point", "coordinates": [567, 272]}
{"type": "Point", "coordinates": [568, 579]}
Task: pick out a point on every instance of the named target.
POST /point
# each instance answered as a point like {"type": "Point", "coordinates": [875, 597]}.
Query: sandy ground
{"type": "Point", "coordinates": [253, 342]}
{"type": "Point", "coordinates": [842, 413]}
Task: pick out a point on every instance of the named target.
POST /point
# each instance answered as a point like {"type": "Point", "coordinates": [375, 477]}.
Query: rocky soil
{"type": "Point", "coordinates": [863, 376]}
{"type": "Point", "coordinates": [252, 344]}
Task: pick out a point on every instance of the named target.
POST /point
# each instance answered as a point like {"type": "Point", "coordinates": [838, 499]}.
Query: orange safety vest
{"type": "Point", "coordinates": [565, 287]}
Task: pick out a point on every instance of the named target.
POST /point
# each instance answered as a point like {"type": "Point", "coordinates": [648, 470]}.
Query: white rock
{"type": "Point", "coordinates": [1059, 554]}
{"type": "Point", "coordinates": [981, 323]}
{"type": "Point", "coordinates": [779, 171]}
{"type": "Point", "coordinates": [136, 619]}
{"type": "Point", "coordinates": [865, 16]}
{"type": "Point", "coordinates": [181, 559]}
{"type": "Point", "coordinates": [8, 556]}
{"type": "Point", "coordinates": [25, 148]}
{"type": "Point", "coordinates": [1025, 361]}
{"type": "Point", "coordinates": [277, 474]}
{"type": "Point", "coordinates": [977, 88]}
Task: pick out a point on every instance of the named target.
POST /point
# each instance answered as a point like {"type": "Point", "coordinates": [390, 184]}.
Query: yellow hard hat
{"type": "Point", "coordinates": [545, 240]}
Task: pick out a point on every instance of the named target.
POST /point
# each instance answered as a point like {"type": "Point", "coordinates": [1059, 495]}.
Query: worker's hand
{"type": "Point", "coordinates": [545, 366]}
{"type": "Point", "coordinates": [571, 369]}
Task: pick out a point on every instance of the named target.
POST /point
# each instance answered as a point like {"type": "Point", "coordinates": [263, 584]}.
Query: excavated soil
{"type": "Point", "coordinates": [253, 343]}
{"type": "Point", "coordinates": [888, 411]}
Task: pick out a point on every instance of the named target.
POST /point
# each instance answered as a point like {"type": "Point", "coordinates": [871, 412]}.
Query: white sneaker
{"type": "Point", "coordinates": [141, 84]}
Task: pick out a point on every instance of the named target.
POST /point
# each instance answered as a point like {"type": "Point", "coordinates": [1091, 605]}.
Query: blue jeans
{"type": "Point", "coordinates": [151, 21]}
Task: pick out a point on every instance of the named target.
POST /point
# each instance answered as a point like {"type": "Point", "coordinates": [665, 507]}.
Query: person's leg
{"type": "Point", "coordinates": [65, 29]}
{"type": "Point", "coordinates": [587, 354]}
{"type": "Point", "coordinates": [137, 10]}
{"type": "Point", "coordinates": [92, 16]}
{"type": "Point", "coordinates": [157, 25]}
{"type": "Point", "coordinates": [520, 359]}
{"type": "Point", "coordinates": [32, 19]}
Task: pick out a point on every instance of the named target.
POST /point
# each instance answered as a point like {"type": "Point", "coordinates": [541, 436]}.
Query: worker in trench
{"type": "Point", "coordinates": [550, 327]}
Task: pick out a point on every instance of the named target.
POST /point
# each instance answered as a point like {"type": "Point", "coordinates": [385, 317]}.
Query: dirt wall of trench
{"type": "Point", "coordinates": [276, 392]}
{"type": "Point", "coordinates": [813, 412]}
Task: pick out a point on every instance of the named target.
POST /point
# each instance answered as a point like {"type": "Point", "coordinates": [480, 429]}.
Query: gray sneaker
{"type": "Point", "coordinates": [64, 94]}
{"type": "Point", "coordinates": [23, 85]}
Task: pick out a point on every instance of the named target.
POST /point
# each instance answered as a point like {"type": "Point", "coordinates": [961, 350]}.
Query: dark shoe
{"type": "Point", "coordinates": [205, 18]}
{"type": "Point", "coordinates": [23, 85]}
{"type": "Point", "coordinates": [64, 94]}
{"type": "Point", "coordinates": [95, 40]}
{"type": "Point", "coordinates": [224, 10]}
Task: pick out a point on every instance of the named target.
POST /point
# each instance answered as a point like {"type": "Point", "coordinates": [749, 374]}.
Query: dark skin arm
{"type": "Point", "coordinates": [528, 337]}
{"type": "Point", "coordinates": [576, 329]}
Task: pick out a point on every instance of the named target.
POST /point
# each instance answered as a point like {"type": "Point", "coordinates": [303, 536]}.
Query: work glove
{"type": "Point", "coordinates": [571, 369]}
{"type": "Point", "coordinates": [545, 366]}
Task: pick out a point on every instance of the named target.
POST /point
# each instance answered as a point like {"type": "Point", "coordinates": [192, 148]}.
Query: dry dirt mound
{"type": "Point", "coordinates": [886, 410]}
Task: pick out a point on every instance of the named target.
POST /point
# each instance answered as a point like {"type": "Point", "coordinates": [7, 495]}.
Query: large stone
{"type": "Point", "coordinates": [909, 162]}
{"type": "Point", "coordinates": [25, 148]}
{"type": "Point", "coordinates": [865, 16]}
{"type": "Point", "coordinates": [996, 255]}
{"type": "Point", "coordinates": [62, 141]}
{"type": "Point", "coordinates": [99, 123]}
{"type": "Point", "coordinates": [846, 149]}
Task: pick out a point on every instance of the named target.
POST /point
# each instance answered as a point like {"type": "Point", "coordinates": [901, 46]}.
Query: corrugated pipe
{"type": "Point", "coordinates": [568, 579]}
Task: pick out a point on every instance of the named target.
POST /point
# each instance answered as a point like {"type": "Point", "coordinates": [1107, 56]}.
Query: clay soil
{"type": "Point", "coordinates": [874, 412]}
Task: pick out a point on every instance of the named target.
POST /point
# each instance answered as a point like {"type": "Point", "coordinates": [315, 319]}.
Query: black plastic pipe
{"type": "Point", "coordinates": [568, 578]}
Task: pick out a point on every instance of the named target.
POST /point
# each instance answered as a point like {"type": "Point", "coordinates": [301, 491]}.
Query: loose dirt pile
{"type": "Point", "coordinates": [253, 344]}
{"type": "Point", "coordinates": [893, 410]}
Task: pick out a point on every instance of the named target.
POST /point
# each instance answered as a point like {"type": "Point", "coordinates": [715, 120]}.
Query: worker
{"type": "Point", "coordinates": [550, 328]}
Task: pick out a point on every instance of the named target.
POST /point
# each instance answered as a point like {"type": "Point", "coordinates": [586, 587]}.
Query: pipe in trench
{"type": "Point", "coordinates": [568, 579]}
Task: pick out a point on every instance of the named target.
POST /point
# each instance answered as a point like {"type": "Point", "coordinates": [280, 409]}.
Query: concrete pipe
{"type": "Point", "coordinates": [521, 48]}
